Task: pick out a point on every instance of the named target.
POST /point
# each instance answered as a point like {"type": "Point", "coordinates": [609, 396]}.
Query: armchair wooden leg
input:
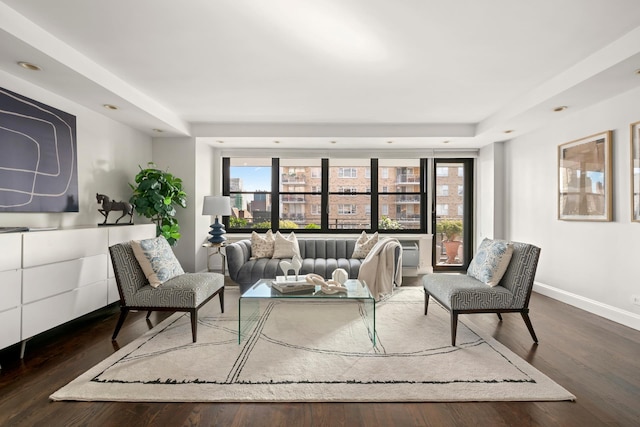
{"type": "Point", "coordinates": [221, 296]}
{"type": "Point", "coordinates": [454, 327]}
{"type": "Point", "coordinates": [499, 316]}
{"type": "Point", "coordinates": [123, 315]}
{"type": "Point", "coordinates": [426, 302]}
{"type": "Point", "coordinates": [527, 321]}
{"type": "Point", "coordinates": [194, 324]}
{"type": "Point", "coordinates": [149, 313]}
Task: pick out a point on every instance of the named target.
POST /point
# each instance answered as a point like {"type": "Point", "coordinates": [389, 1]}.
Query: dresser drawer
{"type": "Point", "coordinates": [10, 289]}
{"type": "Point", "coordinates": [45, 314]}
{"type": "Point", "coordinates": [52, 279]}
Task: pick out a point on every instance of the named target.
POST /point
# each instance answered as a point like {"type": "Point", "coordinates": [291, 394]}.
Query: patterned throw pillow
{"type": "Point", "coordinates": [491, 261]}
{"type": "Point", "coordinates": [156, 259]}
{"type": "Point", "coordinates": [286, 247]}
{"type": "Point", "coordinates": [262, 246]}
{"type": "Point", "coordinates": [364, 244]}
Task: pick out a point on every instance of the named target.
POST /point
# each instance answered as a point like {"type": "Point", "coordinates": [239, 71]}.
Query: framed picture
{"type": "Point", "coordinates": [584, 179]}
{"type": "Point", "coordinates": [635, 171]}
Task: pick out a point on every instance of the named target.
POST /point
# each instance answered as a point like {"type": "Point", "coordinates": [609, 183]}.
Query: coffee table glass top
{"type": "Point", "coordinates": [263, 289]}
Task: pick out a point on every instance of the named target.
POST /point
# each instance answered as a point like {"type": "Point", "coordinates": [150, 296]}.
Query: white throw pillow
{"type": "Point", "coordinates": [262, 246]}
{"type": "Point", "coordinates": [285, 247]}
{"type": "Point", "coordinates": [156, 259]}
{"type": "Point", "coordinates": [491, 261]}
{"type": "Point", "coordinates": [364, 244]}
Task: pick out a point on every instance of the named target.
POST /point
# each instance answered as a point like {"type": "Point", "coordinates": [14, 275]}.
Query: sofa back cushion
{"type": "Point", "coordinates": [326, 248]}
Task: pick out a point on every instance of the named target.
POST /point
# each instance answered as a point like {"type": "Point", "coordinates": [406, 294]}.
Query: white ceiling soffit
{"type": "Point", "coordinates": [361, 73]}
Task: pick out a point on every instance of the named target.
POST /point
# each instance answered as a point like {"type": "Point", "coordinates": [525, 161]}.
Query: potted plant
{"type": "Point", "coordinates": [155, 195]}
{"type": "Point", "coordinates": [451, 229]}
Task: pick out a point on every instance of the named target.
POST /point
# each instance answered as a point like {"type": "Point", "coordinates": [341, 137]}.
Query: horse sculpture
{"type": "Point", "coordinates": [107, 206]}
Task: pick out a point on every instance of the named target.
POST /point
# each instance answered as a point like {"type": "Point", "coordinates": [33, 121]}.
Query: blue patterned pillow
{"type": "Point", "coordinates": [156, 259]}
{"type": "Point", "coordinates": [491, 261]}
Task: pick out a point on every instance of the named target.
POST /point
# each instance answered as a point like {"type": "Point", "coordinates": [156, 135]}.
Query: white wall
{"type": "Point", "coordinates": [198, 165]}
{"type": "Point", "coordinates": [591, 265]}
{"type": "Point", "coordinates": [108, 157]}
{"type": "Point", "coordinates": [489, 193]}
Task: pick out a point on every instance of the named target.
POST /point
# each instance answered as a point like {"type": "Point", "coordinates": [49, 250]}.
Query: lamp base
{"type": "Point", "coordinates": [217, 233]}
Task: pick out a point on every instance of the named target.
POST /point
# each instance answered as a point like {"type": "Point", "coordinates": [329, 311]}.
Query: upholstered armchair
{"type": "Point", "coordinates": [185, 292]}
{"type": "Point", "coordinates": [465, 294]}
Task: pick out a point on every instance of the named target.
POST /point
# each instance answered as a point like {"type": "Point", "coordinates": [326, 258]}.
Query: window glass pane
{"type": "Point", "coordinates": [300, 211]}
{"type": "Point", "coordinates": [449, 213]}
{"type": "Point", "coordinates": [349, 211]}
{"type": "Point", "coordinates": [399, 175]}
{"type": "Point", "coordinates": [298, 208]}
{"type": "Point", "coordinates": [349, 175]}
{"type": "Point", "coordinates": [399, 212]}
{"type": "Point", "coordinates": [250, 187]}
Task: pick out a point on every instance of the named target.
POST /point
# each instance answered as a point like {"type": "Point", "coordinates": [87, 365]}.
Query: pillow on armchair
{"type": "Point", "coordinates": [491, 261]}
{"type": "Point", "coordinates": [156, 259]}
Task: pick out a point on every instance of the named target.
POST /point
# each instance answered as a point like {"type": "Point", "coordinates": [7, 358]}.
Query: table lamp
{"type": "Point", "coordinates": [218, 206]}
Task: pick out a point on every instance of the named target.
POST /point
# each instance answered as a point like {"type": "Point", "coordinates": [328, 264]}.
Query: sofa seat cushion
{"type": "Point", "coordinates": [185, 291]}
{"type": "Point", "coordinates": [462, 292]}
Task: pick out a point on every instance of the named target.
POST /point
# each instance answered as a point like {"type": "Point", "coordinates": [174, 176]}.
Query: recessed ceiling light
{"type": "Point", "coordinates": [158, 130]}
{"type": "Point", "coordinates": [110, 107]}
{"type": "Point", "coordinates": [560, 108]}
{"type": "Point", "coordinates": [333, 142]}
{"type": "Point", "coordinates": [389, 142]}
{"type": "Point", "coordinates": [445, 142]}
{"type": "Point", "coordinates": [508, 131]}
{"type": "Point", "coordinates": [29, 66]}
{"type": "Point", "coordinates": [220, 141]}
{"type": "Point", "coordinates": [276, 142]}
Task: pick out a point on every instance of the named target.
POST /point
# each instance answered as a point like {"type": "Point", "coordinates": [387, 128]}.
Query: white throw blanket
{"type": "Point", "coordinates": [377, 269]}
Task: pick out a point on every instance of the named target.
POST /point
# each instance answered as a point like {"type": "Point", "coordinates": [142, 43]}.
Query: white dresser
{"type": "Point", "coordinates": [48, 278]}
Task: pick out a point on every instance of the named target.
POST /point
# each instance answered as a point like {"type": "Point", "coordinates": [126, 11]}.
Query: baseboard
{"type": "Point", "coordinates": [612, 313]}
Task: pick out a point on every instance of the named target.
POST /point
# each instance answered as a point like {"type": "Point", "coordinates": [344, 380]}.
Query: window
{"type": "Point", "coordinates": [347, 190]}
{"type": "Point", "coordinates": [442, 210]}
{"type": "Point", "coordinates": [347, 173]}
{"type": "Point", "coordinates": [314, 195]}
{"type": "Point", "coordinates": [347, 209]}
{"type": "Point", "coordinates": [460, 171]}
{"type": "Point", "coordinates": [460, 190]}
{"type": "Point", "coordinates": [460, 210]}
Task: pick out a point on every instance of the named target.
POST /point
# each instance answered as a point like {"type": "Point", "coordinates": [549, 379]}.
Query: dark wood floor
{"type": "Point", "coordinates": [597, 360]}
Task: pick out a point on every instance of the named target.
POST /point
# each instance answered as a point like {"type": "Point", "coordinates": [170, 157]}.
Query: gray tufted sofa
{"type": "Point", "coordinates": [319, 256]}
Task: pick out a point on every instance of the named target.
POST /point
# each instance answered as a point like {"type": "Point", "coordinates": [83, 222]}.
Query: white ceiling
{"type": "Point", "coordinates": [357, 72]}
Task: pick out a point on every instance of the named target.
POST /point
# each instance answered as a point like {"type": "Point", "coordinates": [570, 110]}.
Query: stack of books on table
{"type": "Point", "coordinates": [291, 285]}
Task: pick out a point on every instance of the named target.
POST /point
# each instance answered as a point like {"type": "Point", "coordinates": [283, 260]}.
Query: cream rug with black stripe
{"type": "Point", "coordinates": [315, 351]}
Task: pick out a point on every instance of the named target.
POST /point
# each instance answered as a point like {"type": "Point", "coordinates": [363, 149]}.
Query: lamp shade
{"type": "Point", "coordinates": [216, 205]}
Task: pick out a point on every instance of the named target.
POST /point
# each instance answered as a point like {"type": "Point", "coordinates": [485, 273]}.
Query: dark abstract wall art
{"type": "Point", "coordinates": [38, 156]}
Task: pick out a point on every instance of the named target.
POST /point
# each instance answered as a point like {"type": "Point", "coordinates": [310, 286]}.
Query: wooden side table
{"type": "Point", "coordinates": [215, 249]}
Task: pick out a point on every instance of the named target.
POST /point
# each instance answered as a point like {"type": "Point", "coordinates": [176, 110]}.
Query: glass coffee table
{"type": "Point", "coordinates": [249, 303]}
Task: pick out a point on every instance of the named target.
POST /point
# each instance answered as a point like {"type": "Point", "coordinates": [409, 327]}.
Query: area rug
{"type": "Point", "coordinates": [315, 351]}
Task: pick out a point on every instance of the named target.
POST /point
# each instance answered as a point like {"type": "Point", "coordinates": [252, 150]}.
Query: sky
{"type": "Point", "coordinates": [254, 178]}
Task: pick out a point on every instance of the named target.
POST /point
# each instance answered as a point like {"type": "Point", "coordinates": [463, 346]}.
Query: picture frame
{"type": "Point", "coordinates": [585, 179]}
{"type": "Point", "coordinates": [635, 171]}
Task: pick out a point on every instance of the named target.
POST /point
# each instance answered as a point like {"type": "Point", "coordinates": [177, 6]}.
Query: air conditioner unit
{"type": "Point", "coordinates": [410, 254]}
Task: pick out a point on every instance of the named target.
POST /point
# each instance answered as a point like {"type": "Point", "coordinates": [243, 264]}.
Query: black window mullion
{"type": "Point", "coordinates": [275, 194]}
{"type": "Point", "coordinates": [375, 203]}
{"type": "Point", "coordinates": [324, 198]}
